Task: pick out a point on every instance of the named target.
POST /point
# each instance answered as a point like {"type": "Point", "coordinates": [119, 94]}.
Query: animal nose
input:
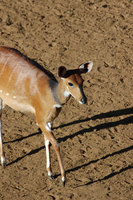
{"type": "Point", "coordinates": [84, 100]}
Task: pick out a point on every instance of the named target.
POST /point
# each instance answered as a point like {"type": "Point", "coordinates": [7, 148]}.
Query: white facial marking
{"type": "Point", "coordinates": [14, 97]}
{"type": "Point", "coordinates": [0, 90]}
{"type": "Point", "coordinates": [66, 94]}
{"type": "Point", "coordinates": [56, 106]}
{"type": "Point", "coordinates": [7, 94]}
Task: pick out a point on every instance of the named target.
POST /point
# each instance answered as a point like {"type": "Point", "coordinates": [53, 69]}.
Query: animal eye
{"type": "Point", "coordinates": [70, 84]}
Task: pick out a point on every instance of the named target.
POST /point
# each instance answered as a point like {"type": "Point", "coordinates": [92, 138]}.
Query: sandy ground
{"type": "Point", "coordinates": [97, 138]}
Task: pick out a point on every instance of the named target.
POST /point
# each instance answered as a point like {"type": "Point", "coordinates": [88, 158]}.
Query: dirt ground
{"type": "Point", "coordinates": [97, 138]}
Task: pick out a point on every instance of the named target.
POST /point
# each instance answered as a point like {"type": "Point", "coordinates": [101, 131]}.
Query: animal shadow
{"type": "Point", "coordinates": [116, 113]}
{"type": "Point", "coordinates": [111, 114]}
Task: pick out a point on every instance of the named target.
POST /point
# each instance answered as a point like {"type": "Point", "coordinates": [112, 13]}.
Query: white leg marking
{"type": "Point", "coordinates": [0, 90]}
{"type": "Point", "coordinates": [63, 179]}
{"type": "Point", "coordinates": [50, 173]}
{"type": "Point", "coordinates": [48, 126]}
{"type": "Point", "coordinates": [14, 97]}
{"type": "Point", "coordinates": [47, 153]}
{"type": "Point", "coordinates": [56, 106]}
{"type": "Point", "coordinates": [3, 160]}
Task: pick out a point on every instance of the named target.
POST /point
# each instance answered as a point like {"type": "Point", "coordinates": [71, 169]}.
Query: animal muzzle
{"type": "Point", "coordinates": [83, 100]}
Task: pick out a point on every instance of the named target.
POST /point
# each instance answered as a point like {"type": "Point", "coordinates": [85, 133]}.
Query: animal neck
{"type": "Point", "coordinates": [63, 95]}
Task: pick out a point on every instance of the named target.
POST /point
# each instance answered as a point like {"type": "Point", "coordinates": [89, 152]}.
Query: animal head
{"type": "Point", "coordinates": [73, 81]}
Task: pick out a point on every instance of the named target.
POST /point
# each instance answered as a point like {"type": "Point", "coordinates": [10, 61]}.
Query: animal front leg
{"type": "Point", "coordinates": [2, 154]}
{"type": "Point", "coordinates": [48, 161]}
{"type": "Point", "coordinates": [50, 137]}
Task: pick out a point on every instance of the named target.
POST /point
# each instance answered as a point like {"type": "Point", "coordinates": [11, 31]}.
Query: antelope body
{"type": "Point", "coordinates": [27, 87]}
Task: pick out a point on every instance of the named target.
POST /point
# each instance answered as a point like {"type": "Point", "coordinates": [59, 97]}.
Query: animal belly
{"type": "Point", "coordinates": [21, 107]}
{"type": "Point", "coordinates": [18, 104]}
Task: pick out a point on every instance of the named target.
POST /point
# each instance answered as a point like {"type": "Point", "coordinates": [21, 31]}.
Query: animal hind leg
{"type": "Point", "coordinates": [2, 154]}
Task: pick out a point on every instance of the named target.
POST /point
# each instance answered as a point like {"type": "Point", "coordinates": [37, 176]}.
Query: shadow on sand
{"type": "Point", "coordinates": [113, 114]}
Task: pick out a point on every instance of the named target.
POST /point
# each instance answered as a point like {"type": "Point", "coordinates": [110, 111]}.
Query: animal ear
{"type": "Point", "coordinates": [62, 72]}
{"type": "Point", "coordinates": [86, 67]}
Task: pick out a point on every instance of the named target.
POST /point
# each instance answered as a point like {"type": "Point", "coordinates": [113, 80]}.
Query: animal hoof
{"type": "Point", "coordinates": [3, 161]}
{"type": "Point", "coordinates": [63, 181]}
{"type": "Point", "coordinates": [51, 177]}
